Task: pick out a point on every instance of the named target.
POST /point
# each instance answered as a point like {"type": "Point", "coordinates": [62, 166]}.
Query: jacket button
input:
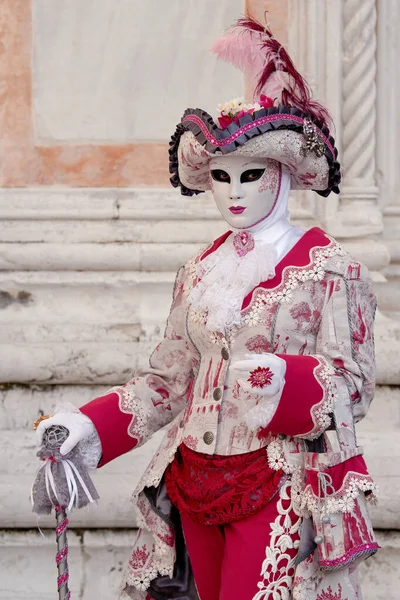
{"type": "Point", "coordinates": [208, 437]}
{"type": "Point", "coordinates": [182, 424]}
{"type": "Point", "coordinates": [217, 394]}
{"type": "Point", "coordinates": [225, 353]}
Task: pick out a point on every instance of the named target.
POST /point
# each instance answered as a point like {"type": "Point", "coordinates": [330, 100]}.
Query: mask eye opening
{"type": "Point", "coordinates": [220, 175]}
{"type": "Point", "coordinates": [251, 175]}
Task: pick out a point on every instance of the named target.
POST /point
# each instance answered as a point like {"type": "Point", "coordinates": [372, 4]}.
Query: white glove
{"type": "Point", "coordinates": [261, 374]}
{"type": "Point", "coordinates": [269, 371]}
{"type": "Point", "coordinates": [80, 427]}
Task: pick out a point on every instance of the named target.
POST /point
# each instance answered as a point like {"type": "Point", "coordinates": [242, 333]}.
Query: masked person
{"type": "Point", "coordinates": [267, 348]}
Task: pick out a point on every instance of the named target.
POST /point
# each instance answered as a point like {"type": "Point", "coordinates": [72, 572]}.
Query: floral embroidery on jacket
{"type": "Point", "coordinates": [258, 344]}
{"type": "Point", "coordinates": [328, 594]}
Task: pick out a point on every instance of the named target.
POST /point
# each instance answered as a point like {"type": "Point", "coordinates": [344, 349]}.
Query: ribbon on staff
{"type": "Point", "coordinates": [62, 481]}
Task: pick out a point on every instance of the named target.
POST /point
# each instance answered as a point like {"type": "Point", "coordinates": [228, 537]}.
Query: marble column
{"type": "Point", "coordinates": [388, 147]}
{"type": "Point", "coordinates": [314, 40]}
{"type": "Point", "coordinates": [334, 45]}
{"type": "Point", "coordinates": [359, 214]}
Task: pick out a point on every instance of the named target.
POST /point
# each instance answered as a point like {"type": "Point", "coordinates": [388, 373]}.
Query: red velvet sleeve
{"type": "Point", "coordinates": [302, 395]}
{"type": "Point", "coordinates": [111, 425]}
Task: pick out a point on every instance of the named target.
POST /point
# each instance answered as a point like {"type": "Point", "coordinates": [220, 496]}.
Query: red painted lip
{"type": "Point", "coordinates": [237, 210]}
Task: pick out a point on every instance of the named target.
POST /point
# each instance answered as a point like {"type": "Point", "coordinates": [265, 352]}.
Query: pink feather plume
{"type": "Point", "coordinates": [250, 47]}
{"type": "Point", "coordinates": [241, 48]}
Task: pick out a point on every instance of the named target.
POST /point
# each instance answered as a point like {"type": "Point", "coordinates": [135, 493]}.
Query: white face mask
{"type": "Point", "coordinates": [245, 191]}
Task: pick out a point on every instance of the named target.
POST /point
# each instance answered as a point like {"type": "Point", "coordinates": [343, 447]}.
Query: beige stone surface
{"type": "Point", "coordinates": [82, 257]}
{"type": "Point", "coordinates": [379, 435]}
{"type": "Point", "coordinates": [380, 573]}
{"type": "Point", "coordinates": [27, 565]}
{"type": "Point", "coordinates": [141, 64]}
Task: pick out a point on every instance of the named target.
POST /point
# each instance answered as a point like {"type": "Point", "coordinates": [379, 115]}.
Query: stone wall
{"type": "Point", "coordinates": [91, 234]}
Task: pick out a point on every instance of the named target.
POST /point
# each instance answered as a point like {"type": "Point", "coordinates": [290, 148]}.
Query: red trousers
{"type": "Point", "coordinates": [251, 559]}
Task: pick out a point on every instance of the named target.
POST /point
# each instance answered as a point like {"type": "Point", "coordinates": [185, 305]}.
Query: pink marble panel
{"type": "Point", "coordinates": [25, 163]}
{"type": "Point", "coordinates": [22, 163]}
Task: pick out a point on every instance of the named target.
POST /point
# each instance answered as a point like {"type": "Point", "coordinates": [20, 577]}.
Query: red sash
{"type": "Point", "coordinates": [216, 490]}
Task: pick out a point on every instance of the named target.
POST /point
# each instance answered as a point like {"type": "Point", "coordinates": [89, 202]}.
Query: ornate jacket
{"type": "Point", "coordinates": [316, 314]}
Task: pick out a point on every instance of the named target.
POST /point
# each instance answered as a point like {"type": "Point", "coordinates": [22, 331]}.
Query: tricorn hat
{"type": "Point", "coordinates": [283, 122]}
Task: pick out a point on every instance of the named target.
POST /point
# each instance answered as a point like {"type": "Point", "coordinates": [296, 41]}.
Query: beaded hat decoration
{"type": "Point", "coordinates": [283, 122]}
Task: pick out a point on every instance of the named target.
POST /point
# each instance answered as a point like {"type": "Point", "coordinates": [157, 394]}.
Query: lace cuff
{"type": "Point", "coordinates": [145, 420]}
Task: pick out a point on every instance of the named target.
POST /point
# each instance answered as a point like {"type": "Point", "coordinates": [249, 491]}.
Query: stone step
{"type": "Point", "coordinates": [83, 362]}
{"type": "Point", "coordinates": [97, 559]}
{"type": "Point", "coordinates": [114, 204]}
{"type": "Point", "coordinates": [87, 231]}
{"type": "Point", "coordinates": [121, 256]}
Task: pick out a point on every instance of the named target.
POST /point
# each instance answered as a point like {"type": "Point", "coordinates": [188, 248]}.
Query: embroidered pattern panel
{"type": "Point", "coordinates": [278, 568]}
